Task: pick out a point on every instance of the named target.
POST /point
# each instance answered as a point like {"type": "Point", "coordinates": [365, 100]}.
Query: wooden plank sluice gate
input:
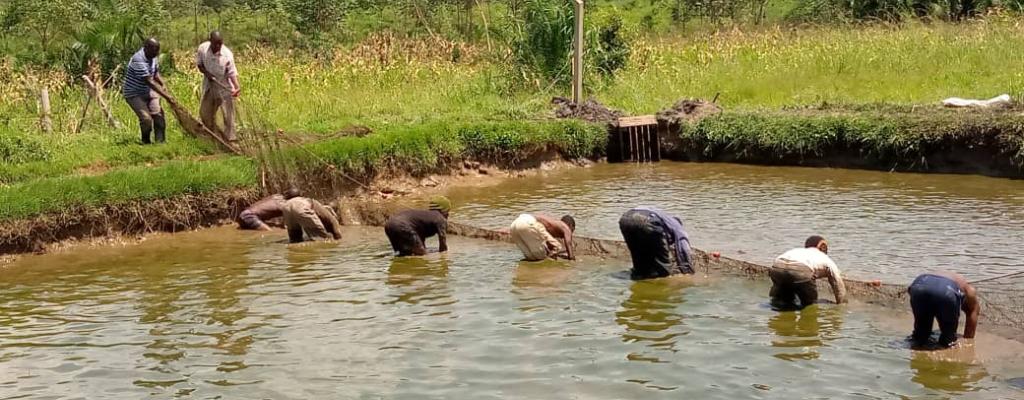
{"type": "Point", "coordinates": [637, 139]}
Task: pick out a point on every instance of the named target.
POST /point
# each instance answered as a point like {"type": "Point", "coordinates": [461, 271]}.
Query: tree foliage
{"type": "Point", "coordinates": [545, 45]}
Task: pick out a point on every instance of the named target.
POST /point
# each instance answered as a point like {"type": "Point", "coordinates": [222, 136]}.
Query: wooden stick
{"type": "Point", "coordinates": [657, 141]}
{"type": "Point", "coordinates": [85, 111]}
{"type": "Point", "coordinates": [44, 102]}
{"type": "Point", "coordinates": [97, 92]}
{"type": "Point", "coordinates": [487, 29]}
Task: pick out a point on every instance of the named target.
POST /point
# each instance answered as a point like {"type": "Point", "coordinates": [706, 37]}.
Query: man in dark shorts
{"type": "Point", "coordinates": [941, 296]}
{"type": "Point", "coordinates": [409, 230]}
{"type": "Point", "coordinates": [657, 243]}
{"type": "Point", "coordinates": [254, 217]}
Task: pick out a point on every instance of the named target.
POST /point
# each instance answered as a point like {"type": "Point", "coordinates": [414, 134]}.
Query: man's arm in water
{"type": "Point", "coordinates": [972, 308]}
{"type": "Point", "coordinates": [835, 280]}
{"type": "Point", "coordinates": [559, 230]}
{"type": "Point", "coordinates": [569, 245]}
{"type": "Point", "coordinates": [442, 236]}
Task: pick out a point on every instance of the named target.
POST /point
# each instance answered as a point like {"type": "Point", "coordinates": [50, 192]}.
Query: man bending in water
{"type": "Point", "coordinates": [657, 243]}
{"type": "Point", "coordinates": [408, 230]}
{"type": "Point", "coordinates": [794, 273]}
{"type": "Point", "coordinates": [537, 236]}
{"type": "Point", "coordinates": [255, 217]}
{"type": "Point", "coordinates": [941, 296]}
{"type": "Point", "coordinates": [305, 215]}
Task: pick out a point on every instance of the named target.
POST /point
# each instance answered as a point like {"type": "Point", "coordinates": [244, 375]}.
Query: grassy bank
{"type": "Point", "coordinates": [386, 82]}
{"type": "Point", "coordinates": [408, 150]}
{"type": "Point", "coordinates": [892, 138]}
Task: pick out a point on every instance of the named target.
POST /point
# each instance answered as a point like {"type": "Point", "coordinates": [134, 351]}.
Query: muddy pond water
{"type": "Point", "coordinates": [888, 226]}
{"type": "Point", "coordinates": [226, 314]}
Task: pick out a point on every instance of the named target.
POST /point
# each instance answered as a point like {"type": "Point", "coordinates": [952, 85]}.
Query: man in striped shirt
{"type": "Point", "coordinates": [142, 83]}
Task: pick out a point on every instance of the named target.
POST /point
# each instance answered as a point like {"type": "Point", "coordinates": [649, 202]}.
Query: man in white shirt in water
{"type": "Point", "coordinates": [794, 274]}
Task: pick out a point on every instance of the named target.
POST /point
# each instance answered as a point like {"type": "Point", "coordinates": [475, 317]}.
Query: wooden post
{"type": "Point", "coordinates": [577, 59]}
{"type": "Point", "coordinates": [44, 102]}
{"type": "Point", "coordinates": [85, 112]}
{"type": "Point", "coordinates": [657, 141]}
{"type": "Point", "coordinates": [622, 146]}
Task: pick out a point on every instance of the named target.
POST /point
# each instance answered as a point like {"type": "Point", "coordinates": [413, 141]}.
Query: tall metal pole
{"type": "Point", "coordinates": [577, 59]}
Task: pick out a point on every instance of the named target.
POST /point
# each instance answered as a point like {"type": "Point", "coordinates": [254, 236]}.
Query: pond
{"type": "Point", "coordinates": [221, 313]}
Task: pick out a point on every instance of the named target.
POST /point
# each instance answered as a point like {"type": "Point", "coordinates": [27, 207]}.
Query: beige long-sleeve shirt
{"type": "Point", "coordinates": [220, 65]}
{"type": "Point", "coordinates": [820, 264]}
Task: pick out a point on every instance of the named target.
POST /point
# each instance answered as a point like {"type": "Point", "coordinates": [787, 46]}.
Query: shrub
{"type": "Point", "coordinates": [16, 148]}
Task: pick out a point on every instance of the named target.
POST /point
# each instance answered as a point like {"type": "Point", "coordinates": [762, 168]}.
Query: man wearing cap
{"type": "Point", "coordinates": [657, 243]}
{"type": "Point", "coordinates": [303, 215]}
{"type": "Point", "coordinates": [408, 230]}
{"type": "Point", "coordinates": [540, 237]}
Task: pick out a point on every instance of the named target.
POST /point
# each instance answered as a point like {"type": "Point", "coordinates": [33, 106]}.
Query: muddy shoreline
{"type": "Point", "coordinates": [130, 221]}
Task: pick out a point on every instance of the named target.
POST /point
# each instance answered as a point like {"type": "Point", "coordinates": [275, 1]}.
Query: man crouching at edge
{"type": "Point", "coordinates": [941, 296]}
{"type": "Point", "coordinates": [307, 217]}
{"type": "Point", "coordinates": [657, 243]}
{"type": "Point", "coordinates": [256, 216]}
{"type": "Point", "coordinates": [408, 230]}
{"type": "Point", "coordinates": [794, 274]}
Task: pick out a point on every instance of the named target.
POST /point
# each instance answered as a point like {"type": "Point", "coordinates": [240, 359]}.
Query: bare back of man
{"type": "Point", "coordinates": [560, 230]}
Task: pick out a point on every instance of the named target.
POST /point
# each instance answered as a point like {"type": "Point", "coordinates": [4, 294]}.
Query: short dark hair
{"type": "Point", "coordinates": [569, 220]}
{"type": "Point", "coordinates": [813, 241]}
{"type": "Point", "coordinates": [292, 193]}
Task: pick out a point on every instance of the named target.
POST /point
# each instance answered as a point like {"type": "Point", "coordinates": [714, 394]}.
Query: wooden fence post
{"type": "Point", "coordinates": [577, 59]}
{"type": "Point", "coordinates": [44, 102]}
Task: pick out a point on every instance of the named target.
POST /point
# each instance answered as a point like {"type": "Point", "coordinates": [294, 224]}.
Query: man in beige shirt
{"type": "Point", "coordinates": [794, 274]}
{"type": "Point", "coordinates": [220, 84]}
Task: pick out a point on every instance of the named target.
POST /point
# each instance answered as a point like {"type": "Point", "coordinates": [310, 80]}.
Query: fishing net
{"type": "Point", "coordinates": [1002, 300]}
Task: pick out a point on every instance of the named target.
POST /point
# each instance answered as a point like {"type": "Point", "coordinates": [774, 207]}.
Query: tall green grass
{"type": "Point", "coordinates": [780, 67]}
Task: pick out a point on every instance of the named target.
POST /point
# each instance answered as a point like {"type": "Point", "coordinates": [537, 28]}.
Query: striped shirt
{"type": "Point", "coordinates": [139, 68]}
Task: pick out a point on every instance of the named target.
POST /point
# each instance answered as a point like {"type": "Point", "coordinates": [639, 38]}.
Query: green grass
{"type": "Point", "coordinates": [889, 134]}
{"type": "Point", "coordinates": [430, 147]}
{"type": "Point", "coordinates": [431, 102]}
{"type": "Point", "coordinates": [414, 150]}
{"type": "Point", "coordinates": [72, 193]}
{"type": "Point", "coordinates": [390, 84]}
{"type": "Point", "coordinates": [777, 67]}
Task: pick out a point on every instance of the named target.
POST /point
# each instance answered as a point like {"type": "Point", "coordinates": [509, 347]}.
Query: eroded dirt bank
{"type": "Point", "coordinates": [129, 221]}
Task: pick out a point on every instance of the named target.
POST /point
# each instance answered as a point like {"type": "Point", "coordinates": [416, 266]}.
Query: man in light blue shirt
{"type": "Point", "coordinates": [142, 84]}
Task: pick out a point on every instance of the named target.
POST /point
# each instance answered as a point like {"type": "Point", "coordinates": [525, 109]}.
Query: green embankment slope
{"type": "Point", "coordinates": [407, 150]}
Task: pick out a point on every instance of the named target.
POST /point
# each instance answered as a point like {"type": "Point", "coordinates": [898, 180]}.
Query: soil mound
{"type": "Point", "coordinates": [688, 111]}
{"type": "Point", "coordinates": [590, 110]}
